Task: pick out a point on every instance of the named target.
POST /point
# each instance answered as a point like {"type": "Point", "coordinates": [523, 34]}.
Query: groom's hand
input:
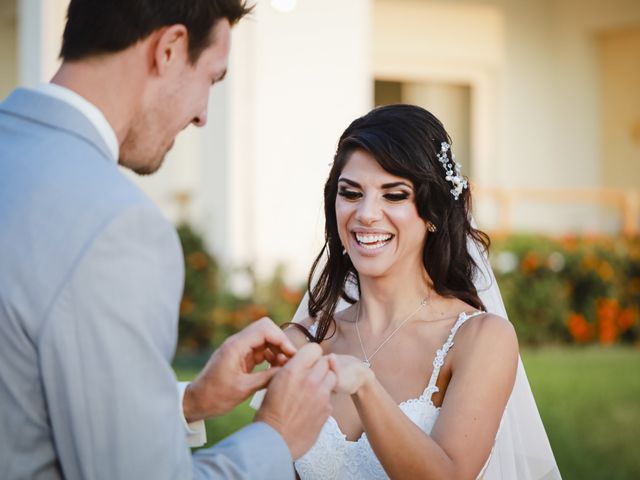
{"type": "Point", "coordinates": [297, 402]}
{"type": "Point", "coordinates": [228, 378]}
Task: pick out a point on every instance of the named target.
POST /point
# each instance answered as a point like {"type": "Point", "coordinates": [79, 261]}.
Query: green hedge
{"type": "Point", "coordinates": [212, 309]}
{"type": "Point", "coordinates": [570, 289]}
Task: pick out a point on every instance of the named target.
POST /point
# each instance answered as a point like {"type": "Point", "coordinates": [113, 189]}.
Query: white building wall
{"type": "Point", "coordinates": [39, 37]}
{"type": "Point", "coordinates": [311, 76]}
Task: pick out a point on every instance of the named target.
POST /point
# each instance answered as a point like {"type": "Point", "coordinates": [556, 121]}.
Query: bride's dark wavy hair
{"type": "Point", "coordinates": [405, 141]}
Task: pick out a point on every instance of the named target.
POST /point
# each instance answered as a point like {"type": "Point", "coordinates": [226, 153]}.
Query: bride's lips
{"type": "Point", "coordinates": [371, 242]}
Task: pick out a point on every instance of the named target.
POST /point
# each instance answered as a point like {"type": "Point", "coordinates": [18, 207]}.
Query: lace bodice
{"type": "Point", "coordinates": [335, 457]}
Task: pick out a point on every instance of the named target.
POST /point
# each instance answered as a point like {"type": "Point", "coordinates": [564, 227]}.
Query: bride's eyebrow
{"type": "Point", "coordinates": [396, 184]}
{"type": "Point", "coordinates": [349, 182]}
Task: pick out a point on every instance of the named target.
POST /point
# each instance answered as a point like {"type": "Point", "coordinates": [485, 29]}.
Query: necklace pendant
{"type": "Point", "coordinates": [366, 363]}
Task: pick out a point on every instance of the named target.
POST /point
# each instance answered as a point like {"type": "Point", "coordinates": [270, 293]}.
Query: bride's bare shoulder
{"type": "Point", "coordinates": [486, 333]}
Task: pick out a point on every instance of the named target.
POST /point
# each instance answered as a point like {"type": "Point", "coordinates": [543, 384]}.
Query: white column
{"type": "Point", "coordinates": [303, 77]}
{"type": "Point", "coordinates": [40, 27]}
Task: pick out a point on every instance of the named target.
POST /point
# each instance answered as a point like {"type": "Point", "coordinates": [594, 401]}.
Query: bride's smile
{"type": "Point", "coordinates": [377, 219]}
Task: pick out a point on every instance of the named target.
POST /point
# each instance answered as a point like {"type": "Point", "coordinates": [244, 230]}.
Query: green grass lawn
{"type": "Point", "coordinates": [589, 400]}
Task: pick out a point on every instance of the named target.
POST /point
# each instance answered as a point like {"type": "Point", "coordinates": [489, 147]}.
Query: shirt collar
{"type": "Point", "coordinates": [89, 110]}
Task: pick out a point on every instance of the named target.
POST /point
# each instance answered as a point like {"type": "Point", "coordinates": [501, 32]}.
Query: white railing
{"type": "Point", "coordinates": [625, 202]}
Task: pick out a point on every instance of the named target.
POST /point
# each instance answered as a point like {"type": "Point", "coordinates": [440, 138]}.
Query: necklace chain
{"type": "Point", "coordinates": [367, 359]}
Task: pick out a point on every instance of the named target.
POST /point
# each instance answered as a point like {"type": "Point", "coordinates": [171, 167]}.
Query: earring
{"type": "Point", "coordinates": [344, 251]}
{"type": "Point", "coordinates": [431, 227]}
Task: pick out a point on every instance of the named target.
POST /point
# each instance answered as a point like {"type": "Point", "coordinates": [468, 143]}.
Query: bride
{"type": "Point", "coordinates": [426, 369]}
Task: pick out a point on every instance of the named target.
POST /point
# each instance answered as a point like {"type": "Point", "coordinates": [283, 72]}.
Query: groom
{"type": "Point", "coordinates": [91, 274]}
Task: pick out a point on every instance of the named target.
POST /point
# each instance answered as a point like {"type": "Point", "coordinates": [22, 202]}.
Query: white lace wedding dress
{"type": "Point", "coordinates": [335, 457]}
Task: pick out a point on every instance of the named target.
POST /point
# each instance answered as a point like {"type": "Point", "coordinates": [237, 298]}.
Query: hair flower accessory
{"type": "Point", "coordinates": [452, 170]}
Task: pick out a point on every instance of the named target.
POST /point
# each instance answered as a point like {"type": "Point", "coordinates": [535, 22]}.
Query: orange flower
{"type": "Point", "coordinates": [607, 310]}
{"type": "Point", "coordinates": [608, 333]}
{"type": "Point", "coordinates": [530, 262]}
{"type": "Point", "coordinates": [605, 271]}
{"type": "Point", "coordinates": [570, 243]}
{"type": "Point", "coordinates": [590, 262]}
{"type": "Point", "coordinates": [186, 306]}
{"type": "Point", "coordinates": [198, 260]}
{"type": "Point", "coordinates": [290, 295]}
{"type": "Point", "coordinates": [627, 319]}
{"type": "Point", "coordinates": [579, 328]}
{"type": "Point", "coordinates": [256, 312]}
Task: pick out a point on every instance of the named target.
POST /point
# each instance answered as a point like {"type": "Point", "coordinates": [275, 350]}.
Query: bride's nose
{"type": "Point", "coordinates": [368, 211]}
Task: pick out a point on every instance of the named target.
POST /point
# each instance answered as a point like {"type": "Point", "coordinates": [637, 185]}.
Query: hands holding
{"type": "Point", "coordinates": [297, 403]}
{"type": "Point", "coordinates": [228, 378]}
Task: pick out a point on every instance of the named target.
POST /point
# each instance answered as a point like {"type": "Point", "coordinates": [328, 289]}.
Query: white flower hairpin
{"type": "Point", "coordinates": [452, 170]}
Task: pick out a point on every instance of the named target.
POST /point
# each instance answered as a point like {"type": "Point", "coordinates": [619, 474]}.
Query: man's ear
{"type": "Point", "coordinates": [171, 48]}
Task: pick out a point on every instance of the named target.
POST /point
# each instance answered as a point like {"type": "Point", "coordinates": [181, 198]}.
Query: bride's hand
{"type": "Point", "coordinates": [351, 373]}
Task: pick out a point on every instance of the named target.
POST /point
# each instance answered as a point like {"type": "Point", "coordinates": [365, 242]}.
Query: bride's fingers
{"type": "Point", "coordinates": [333, 362]}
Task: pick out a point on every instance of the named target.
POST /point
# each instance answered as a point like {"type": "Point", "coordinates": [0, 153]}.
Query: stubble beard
{"type": "Point", "coordinates": [139, 159]}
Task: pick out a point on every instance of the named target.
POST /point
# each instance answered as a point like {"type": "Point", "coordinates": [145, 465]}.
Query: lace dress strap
{"type": "Point", "coordinates": [438, 361]}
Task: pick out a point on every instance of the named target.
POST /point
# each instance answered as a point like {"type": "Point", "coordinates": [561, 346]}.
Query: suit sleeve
{"type": "Point", "coordinates": [105, 350]}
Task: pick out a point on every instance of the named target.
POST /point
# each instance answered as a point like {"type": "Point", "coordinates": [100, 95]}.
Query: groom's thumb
{"type": "Point", "coordinates": [262, 378]}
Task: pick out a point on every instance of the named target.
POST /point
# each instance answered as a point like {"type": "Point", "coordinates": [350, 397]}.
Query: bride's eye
{"type": "Point", "coordinates": [396, 196]}
{"type": "Point", "coordinates": [349, 194]}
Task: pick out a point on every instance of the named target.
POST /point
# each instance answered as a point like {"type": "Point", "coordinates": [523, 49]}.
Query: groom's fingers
{"type": "Point", "coordinates": [262, 354]}
{"type": "Point", "coordinates": [281, 359]}
{"type": "Point", "coordinates": [271, 354]}
{"type": "Point", "coordinates": [306, 357]}
{"type": "Point", "coordinates": [261, 379]}
{"type": "Point", "coordinates": [318, 371]}
{"type": "Point", "coordinates": [264, 332]}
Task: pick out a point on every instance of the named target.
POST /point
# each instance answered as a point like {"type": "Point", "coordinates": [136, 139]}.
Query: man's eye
{"type": "Point", "coordinates": [349, 194]}
{"type": "Point", "coordinates": [397, 197]}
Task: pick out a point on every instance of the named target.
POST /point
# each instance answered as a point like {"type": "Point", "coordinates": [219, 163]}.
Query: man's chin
{"type": "Point", "coordinates": [146, 168]}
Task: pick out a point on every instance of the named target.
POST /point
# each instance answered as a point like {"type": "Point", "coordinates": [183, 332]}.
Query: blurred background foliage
{"type": "Point", "coordinates": [217, 303]}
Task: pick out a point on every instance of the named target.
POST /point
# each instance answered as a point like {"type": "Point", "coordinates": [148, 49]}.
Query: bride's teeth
{"type": "Point", "coordinates": [372, 241]}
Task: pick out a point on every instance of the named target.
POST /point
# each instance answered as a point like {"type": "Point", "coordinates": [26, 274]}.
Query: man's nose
{"type": "Point", "coordinates": [200, 120]}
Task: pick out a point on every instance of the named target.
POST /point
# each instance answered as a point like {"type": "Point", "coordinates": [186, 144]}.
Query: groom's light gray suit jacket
{"type": "Point", "coordinates": [91, 276]}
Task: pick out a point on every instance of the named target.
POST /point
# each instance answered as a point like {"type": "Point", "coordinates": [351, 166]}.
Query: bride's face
{"type": "Point", "coordinates": [377, 219]}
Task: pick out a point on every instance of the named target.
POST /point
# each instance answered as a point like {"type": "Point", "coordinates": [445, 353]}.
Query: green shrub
{"type": "Point", "coordinates": [581, 289]}
{"type": "Point", "coordinates": [211, 310]}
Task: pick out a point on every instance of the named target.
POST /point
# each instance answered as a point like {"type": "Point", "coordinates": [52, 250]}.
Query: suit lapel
{"type": "Point", "coordinates": [54, 113]}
